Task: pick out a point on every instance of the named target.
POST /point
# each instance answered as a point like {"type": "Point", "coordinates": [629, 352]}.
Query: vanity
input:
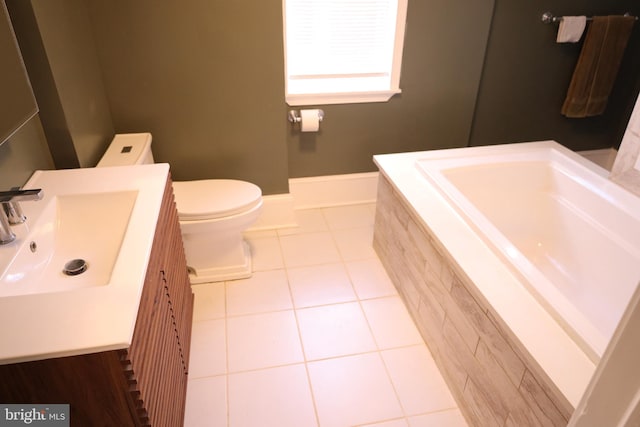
{"type": "Point", "coordinates": [114, 346]}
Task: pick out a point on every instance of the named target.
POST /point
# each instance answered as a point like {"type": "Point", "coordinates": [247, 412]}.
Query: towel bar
{"type": "Point", "coordinates": [550, 18]}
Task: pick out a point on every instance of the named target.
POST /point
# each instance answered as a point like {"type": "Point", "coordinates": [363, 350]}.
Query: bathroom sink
{"type": "Point", "coordinates": [106, 217]}
{"type": "Point", "coordinates": [80, 235]}
{"type": "Point", "coordinates": [73, 244]}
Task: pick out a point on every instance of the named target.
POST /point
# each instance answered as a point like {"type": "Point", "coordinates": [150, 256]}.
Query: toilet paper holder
{"type": "Point", "coordinates": [294, 116]}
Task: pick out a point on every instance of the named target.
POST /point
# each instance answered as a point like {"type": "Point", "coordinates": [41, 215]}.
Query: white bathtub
{"type": "Point", "coordinates": [570, 235]}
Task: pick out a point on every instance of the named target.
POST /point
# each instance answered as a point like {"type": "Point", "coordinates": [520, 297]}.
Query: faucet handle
{"type": "Point", "coordinates": [14, 212]}
{"type": "Point", "coordinates": [10, 211]}
{"type": "Point", "coordinates": [6, 235]}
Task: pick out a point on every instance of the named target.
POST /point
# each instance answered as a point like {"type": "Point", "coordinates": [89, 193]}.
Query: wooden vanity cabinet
{"type": "Point", "coordinates": [143, 385]}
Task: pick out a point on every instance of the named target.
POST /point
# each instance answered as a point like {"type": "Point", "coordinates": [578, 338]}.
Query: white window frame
{"type": "Point", "coordinates": [347, 97]}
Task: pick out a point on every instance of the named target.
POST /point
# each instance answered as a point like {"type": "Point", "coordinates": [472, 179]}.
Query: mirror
{"type": "Point", "coordinates": [17, 103]}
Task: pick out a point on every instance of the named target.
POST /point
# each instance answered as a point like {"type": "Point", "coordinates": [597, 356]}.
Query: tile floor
{"type": "Point", "coordinates": [317, 337]}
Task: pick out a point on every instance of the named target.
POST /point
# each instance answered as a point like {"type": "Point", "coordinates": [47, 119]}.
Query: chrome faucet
{"type": "Point", "coordinates": [11, 213]}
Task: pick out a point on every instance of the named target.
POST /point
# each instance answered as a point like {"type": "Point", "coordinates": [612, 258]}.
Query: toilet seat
{"type": "Point", "coordinates": [214, 198]}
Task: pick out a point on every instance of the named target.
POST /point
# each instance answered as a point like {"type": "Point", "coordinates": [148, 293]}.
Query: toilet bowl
{"type": "Point", "coordinates": [213, 214]}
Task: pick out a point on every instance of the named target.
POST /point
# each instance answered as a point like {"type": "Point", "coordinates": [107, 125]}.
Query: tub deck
{"type": "Point", "coordinates": [572, 236]}
{"type": "Point", "coordinates": [551, 354]}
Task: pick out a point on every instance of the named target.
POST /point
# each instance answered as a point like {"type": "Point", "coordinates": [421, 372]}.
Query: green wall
{"type": "Point", "coordinates": [526, 76]}
{"type": "Point", "coordinates": [206, 78]}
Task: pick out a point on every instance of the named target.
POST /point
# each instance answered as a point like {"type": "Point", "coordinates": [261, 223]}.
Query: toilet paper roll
{"type": "Point", "coordinates": [310, 120]}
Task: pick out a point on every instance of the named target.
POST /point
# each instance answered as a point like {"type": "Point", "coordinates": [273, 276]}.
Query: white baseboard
{"type": "Point", "coordinates": [334, 190]}
{"type": "Point", "coordinates": [278, 210]}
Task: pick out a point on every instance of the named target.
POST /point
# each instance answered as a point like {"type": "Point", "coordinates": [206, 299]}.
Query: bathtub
{"type": "Point", "coordinates": [549, 244]}
{"type": "Point", "coordinates": [569, 234]}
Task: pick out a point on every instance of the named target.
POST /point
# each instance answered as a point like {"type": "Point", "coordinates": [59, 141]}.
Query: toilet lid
{"type": "Point", "coordinates": [214, 198]}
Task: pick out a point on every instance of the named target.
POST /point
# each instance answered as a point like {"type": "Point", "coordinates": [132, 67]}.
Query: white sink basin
{"type": "Point", "coordinates": [73, 244]}
{"type": "Point", "coordinates": [105, 216]}
{"type": "Point", "coordinates": [76, 236]}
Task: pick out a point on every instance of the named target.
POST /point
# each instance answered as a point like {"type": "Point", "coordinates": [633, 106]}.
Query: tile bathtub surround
{"type": "Point", "coordinates": [317, 337]}
{"type": "Point", "coordinates": [626, 168]}
{"type": "Point", "coordinates": [493, 379]}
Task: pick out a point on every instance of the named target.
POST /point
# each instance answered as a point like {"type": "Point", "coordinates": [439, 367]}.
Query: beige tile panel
{"type": "Point", "coordinates": [462, 323]}
{"type": "Point", "coordinates": [447, 276]}
{"type": "Point", "coordinates": [432, 317]}
{"type": "Point", "coordinates": [387, 194]}
{"type": "Point", "coordinates": [433, 281]}
{"type": "Point", "coordinates": [478, 410]}
{"type": "Point", "coordinates": [499, 384]}
{"type": "Point", "coordinates": [459, 362]}
{"type": "Point", "coordinates": [546, 411]}
{"type": "Point", "coordinates": [499, 347]}
{"type": "Point", "coordinates": [492, 376]}
{"type": "Point", "coordinates": [412, 286]}
{"type": "Point", "coordinates": [549, 388]}
{"type": "Point", "coordinates": [425, 246]}
{"type": "Point", "coordinates": [429, 329]}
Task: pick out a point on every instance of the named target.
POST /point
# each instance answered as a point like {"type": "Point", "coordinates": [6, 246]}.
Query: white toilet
{"type": "Point", "coordinates": [213, 213]}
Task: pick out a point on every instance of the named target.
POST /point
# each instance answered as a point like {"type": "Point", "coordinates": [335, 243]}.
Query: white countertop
{"type": "Point", "coordinates": [556, 353]}
{"type": "Point", "coordinates": [93, 319]}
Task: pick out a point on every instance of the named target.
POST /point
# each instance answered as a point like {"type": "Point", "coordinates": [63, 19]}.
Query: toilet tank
{"type": "Point", "coordinates": [128, 149]}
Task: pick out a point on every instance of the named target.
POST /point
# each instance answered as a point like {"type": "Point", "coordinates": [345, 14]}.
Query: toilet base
{"type": "Point", "coordinates": [241, 269]}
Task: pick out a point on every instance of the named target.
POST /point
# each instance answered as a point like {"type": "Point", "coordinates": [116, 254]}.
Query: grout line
{"type": "Point", "coordinates": [226, 345]}
{"type": "Point", "coordinates": [379, 351]}
{"type": "Point", "coordinates": [304, 353]}
{"type": "Point", "coordinates": [360, 300]}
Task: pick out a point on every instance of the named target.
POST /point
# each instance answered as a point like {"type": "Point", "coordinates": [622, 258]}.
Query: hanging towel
{"type": "Point", "coordinates": [571, 29]}
{"type": "Point", "coordinates": [597, 66]}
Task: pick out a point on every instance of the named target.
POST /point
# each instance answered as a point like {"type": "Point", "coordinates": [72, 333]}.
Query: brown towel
{"type": "Point", "coordinates": [597, 66]}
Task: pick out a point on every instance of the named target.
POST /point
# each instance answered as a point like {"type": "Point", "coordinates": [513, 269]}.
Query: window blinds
{"type": "Point", "coordinates": [340, 37]}
{"type": "Point", "coordinates": [337, 46]}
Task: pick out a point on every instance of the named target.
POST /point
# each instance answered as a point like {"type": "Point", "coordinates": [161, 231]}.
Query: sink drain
{"type": "Point", "coordinates": [75, 267]}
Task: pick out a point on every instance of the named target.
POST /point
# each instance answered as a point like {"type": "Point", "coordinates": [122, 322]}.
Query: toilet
{"type": "Point", "coordinates": [213, 214]}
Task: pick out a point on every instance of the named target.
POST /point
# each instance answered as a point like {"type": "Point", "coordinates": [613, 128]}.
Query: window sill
{"type": "Point", "coordinates": [340, 98]}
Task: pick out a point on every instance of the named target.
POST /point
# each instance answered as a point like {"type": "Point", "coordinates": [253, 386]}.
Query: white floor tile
{"type": "Point", "coordinates": [209, 301]}
{"type": "Point", "coordinates": [353, 390]}
{"type": "Point", "coordinates": [350, 216]}
{"type": "Point", "coordinates": [417, 380]}
{"type": "Point", "coordinates": [264, 291]}
{"type": "Point", "coordinates": [265, 253]}
{"type": "Point", "coordinates": [402, 422]}
{"type": "Point", "coordinates": [355, 243]}
{"type": "Point", "coordinates": [206, 404]}
{"type": "Point", "coordinates": [391, 323]}
{"type": "Point", "coordinates": [263, 340]}
{"type": "Point", "coordinates": [320, 285]}
{"type": "Point", "coordinates": [278, 397]}
{"type": "Point", "coordinates": [449, 418]}
{"type": "Point", "coordinates": [367, 365]}
{"type": "Point", "coordinates": [309, 221]}
{"type": "Point", "coordinates": [309, 249]}
{"type": "Point", "coordinates": [334, 330]}
{"type": "Point", "coordinates": [370, 279]}
{"type": "Point", "coordinates": [207, 356]}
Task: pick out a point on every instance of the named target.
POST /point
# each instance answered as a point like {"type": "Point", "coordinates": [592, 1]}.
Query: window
{"type": "Point", "coordinates": [342, 51]}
